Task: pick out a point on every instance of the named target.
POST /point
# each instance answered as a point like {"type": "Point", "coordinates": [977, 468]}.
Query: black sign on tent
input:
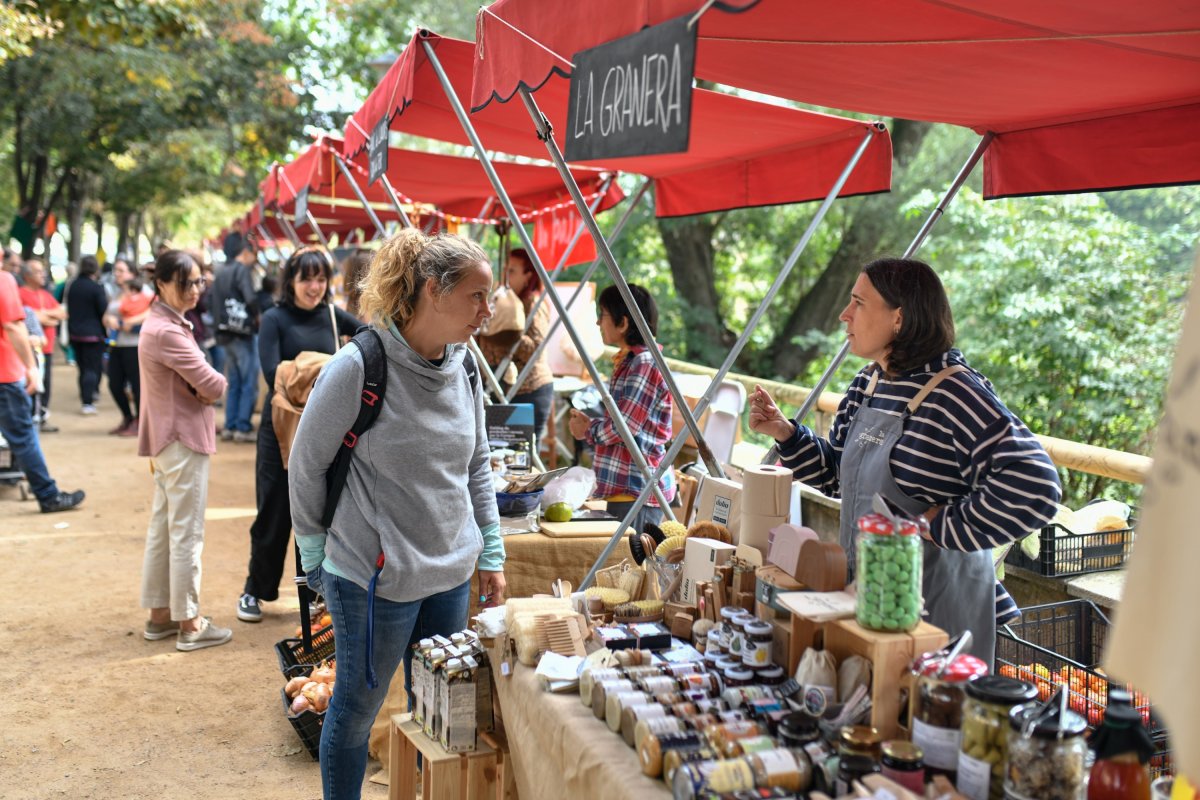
{"type": "Point", "coordinates": [302, 206]}
{"type": "Point", "coordinates": [377, 151]}
{"type": "Point", "coordinates": [633, 96]}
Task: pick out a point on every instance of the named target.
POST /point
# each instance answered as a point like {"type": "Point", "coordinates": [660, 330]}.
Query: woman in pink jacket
{"type": "Point", "coordinates": [177, 431]}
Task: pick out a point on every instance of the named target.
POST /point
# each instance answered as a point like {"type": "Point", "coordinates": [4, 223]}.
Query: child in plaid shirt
{"type": "Point", "coordinates": [639, 391]}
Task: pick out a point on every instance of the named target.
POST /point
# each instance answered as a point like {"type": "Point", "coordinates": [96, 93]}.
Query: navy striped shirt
{"type": "Point", "coordinates": [961, 449]}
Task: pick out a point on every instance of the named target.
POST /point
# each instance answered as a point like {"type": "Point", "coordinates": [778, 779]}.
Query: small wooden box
{"type": "Point", "coordinates": [770, 581]}
{"type": "Point", "coordinates": [889, 654]}
{"type": "Point", "coordinates": [482, 773]}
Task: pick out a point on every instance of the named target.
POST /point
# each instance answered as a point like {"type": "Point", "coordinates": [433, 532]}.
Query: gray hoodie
{"type": "Point", "coordinates": [419, 486]}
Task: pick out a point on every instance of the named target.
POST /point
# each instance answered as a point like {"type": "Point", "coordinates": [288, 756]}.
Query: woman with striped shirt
{"type": "Point", "coordinates": [922, 428]}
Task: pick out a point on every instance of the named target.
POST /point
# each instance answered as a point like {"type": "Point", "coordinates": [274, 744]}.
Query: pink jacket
{"type": "Point", "coordinates": [178, 386]}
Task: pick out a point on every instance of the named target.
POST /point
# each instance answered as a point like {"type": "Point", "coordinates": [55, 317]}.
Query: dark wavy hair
{"type": "Point", "coordinates": [610, 300]}
{"type": "Point", "coordinates": [173, 266]}
{"type": "Point", "coordinates": [307, 262]}
{"type": "Point", "coordinates": [533, 281]}
{"type": "Point", "coordinates": [926, 323]}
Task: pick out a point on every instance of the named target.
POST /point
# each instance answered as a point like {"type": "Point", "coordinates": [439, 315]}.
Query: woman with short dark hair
{"type": "Point", "coordinates": [641, 395]}
{"type": "Point", "coordinates": [86, 303]}
{"type": "Point", "coordinates": [177, 431]}
{"type": "Point", "coordinates": [925, 430]}
{"type": "Point", "coordinates": [304, 320]}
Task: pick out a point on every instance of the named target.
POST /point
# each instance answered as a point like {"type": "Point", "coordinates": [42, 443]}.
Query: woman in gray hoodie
{"type": "Point", "coordinates": [418, 494]}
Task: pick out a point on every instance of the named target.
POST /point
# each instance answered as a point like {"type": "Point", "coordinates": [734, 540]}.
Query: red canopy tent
{"type": "Point", "coordinates": [1081, 96]}
{"type": "Point", "coordinates": [455, 185]}
{"type": "Point", "coordinates": [792, 156]}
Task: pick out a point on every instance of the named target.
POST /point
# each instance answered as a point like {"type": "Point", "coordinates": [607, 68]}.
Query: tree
{"type": "Point", "coordinates": [20, 26]}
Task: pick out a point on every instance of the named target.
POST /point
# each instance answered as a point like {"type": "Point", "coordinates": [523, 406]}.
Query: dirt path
{"type": "Point", "coordinates": [92, 709]}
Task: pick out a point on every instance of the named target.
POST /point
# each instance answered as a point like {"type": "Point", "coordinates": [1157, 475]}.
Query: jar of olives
{"type": "Point", "coordinates": [938, 708]}
{"type": "Point", "coordinates": [889, 574]}
{"type": "Point", "coordinates": [1046, 753]}
{"type": "Point", "coordinates": [985, 734]}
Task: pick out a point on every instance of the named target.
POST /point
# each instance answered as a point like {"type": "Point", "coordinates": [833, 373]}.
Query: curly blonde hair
{"type": "Point", "coordinates": [405, 263]}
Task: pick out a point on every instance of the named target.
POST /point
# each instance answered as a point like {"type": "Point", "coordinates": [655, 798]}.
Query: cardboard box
{"type": "Point", "coordinates": [456, 714]}
{"type": "Point", "coordinates": [720, 500]}
{"type": "Point", "coordinates": [889, 654]}
{"type": "Point", "coordinates": [701, 557]}
{"type": "Point", "coordinates": [770, 581]}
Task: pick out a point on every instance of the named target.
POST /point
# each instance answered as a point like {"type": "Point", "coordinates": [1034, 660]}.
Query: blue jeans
{"type": "Point", "coordinates": [16, 423]}
{"type": "Point", "coordinates": [241, 368]}
{"type": "Point", "coordinates": [354, 707]}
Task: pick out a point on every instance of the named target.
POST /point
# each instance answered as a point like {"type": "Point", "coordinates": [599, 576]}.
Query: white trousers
{"type": "Point", "coordinates": [175, 539]}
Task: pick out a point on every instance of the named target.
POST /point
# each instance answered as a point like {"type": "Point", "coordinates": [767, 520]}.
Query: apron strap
{"type": "Point", "coordinates": [870, 392]}
{"type": "Point", "coordinates": [915, 403]}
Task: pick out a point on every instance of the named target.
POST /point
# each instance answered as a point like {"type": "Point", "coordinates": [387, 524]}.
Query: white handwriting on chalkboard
{"type": "Point", "coordinates": [644, 94]}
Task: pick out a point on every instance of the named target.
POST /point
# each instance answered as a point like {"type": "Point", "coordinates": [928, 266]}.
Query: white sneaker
{"type": "Point", "coordinates": [89, 410]}
{"type": "Point", "coordinates": [208, 635]}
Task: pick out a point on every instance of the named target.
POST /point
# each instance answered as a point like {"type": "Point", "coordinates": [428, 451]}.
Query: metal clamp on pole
{"type": "Point", "coordinates": [615, 417]}
{"type": "Point", "coordinates": [964, 172]}
{"type": "Point", "coordinates": [622, 285]}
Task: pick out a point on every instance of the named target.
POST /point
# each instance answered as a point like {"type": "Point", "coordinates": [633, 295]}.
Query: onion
{"type": "Point", "coordinates": [300, 705]}
{"type": "Point", "coordinates": [295, 685]}
{"type": "Point", "coordinates": [319, 697]}
{"type": "Point", "coordinates": [323, 674]}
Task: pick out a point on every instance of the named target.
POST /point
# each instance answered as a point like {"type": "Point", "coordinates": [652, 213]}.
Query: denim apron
{"type": "Point", "coordinates": [959, 587]}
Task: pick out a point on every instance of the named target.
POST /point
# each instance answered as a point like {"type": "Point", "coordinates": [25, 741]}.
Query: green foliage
{"type": "Point", "coordinates": [20, 26]}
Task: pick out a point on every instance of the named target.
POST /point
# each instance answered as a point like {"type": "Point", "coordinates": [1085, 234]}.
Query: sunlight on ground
{"type": "Point", "coordinates": [211, 514]}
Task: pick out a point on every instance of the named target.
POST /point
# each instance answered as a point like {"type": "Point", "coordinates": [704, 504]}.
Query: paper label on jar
{"type": "Point", "coordinates": [726, 776]}
{"type": "Point", "coordinates": [941, 745]}
{"type": "Point", "coordinates": [756, 654]}
{"type": "Point", "coordinates": [777, 762]}
{"type": "Point", "coordinates": [974, 777]}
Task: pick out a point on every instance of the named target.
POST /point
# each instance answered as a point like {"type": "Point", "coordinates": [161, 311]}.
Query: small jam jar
{"type": "Point", "coordinates": [904, 763]}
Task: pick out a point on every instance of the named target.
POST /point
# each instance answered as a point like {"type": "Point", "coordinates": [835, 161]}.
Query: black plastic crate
{"type": "Point", "coordinates": [1060, 644]}
{"type": "Point", "coordinates": [291, 652]}
{"type": "Point", "coordinates": [307, 723]}
{"type": "Point", "coordinates": [1161, 762]}
{"type": "Point", "coordinates": [1067, 553]}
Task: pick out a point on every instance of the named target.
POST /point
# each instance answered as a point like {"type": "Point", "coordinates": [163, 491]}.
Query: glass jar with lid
{"type": "Point", "coordinates": [858, 756]}
{"type": "Point", "coordinates": [1046, 753]}
{"type": "Point", "coordinates": [937, 708]}
{"type": "Point", "coordinates": [889, 564]}
{"type": "Point", "coordinates": [904, 763]}
{"type": "Point", "coordinates": [985, 726]}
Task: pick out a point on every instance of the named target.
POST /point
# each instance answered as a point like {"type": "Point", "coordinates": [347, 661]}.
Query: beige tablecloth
{"type": "Point", "coordinates": [558, 748]}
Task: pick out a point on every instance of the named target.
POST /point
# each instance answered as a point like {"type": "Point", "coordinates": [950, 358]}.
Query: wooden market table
{"type": "Point", "coordinates": [557, 748]}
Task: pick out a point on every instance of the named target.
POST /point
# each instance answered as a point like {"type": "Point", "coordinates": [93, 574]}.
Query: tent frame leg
{"type": "Point", "coordinates": [545, 133]}
{"type": "Point", "coordinates": [502, 194]}
{"type": "Point", "coordinates": [312, 223]}
{"type": "Point", "coordinates": [290, 229]}
{"type": "Point", "coordinates": [935, 215]}
{"type": "Point", "coordinates": [262, 232]}
{"type": "Point", "coordinates": [358, 192]}
{"type": "Point", "coordinates": [744, 338]}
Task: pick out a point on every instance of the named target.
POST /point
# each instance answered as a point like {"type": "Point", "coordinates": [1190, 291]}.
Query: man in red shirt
{"type": "Point", "coordinates": [49, 313]}
{"type": "Point", "coordinates": [19, 378]}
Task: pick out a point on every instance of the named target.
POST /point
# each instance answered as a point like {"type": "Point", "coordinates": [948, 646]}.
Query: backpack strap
{"type": "Point", "coordinates": [370, 404]}
{"type": "Point", "coordinates": [472, 371]}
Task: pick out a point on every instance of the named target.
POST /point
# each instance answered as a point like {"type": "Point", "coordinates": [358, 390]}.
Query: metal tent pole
{"type": "Point", "coordinates": [312, 223]}
{"type": "Point", "coordinates": [290, 229]}
{"type": "Point", "coordinates": [262, 231]}
{"type": "Point", "coordinates": [964, 172]}
{"type": "Point", "coordinates": [358, 192]}
{"type": "Point", "coordinates": [512, 351]}
{"type": "Point", "coordinates": [616, 234]}
{"type": "Point", "coordinates": [387, 184]}
{"type": "Point", "coordinates": [744, 338]}
{"type": "Point", "coordinates": [545, 133]}
{"type": "Point", "coordinates": [617, 419]}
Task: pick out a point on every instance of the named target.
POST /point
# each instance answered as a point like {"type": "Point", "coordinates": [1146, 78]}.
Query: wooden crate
{"type": "Point", "coordinates": [478, 775]}
{"type": "Point", "coordinates": [889, 654]}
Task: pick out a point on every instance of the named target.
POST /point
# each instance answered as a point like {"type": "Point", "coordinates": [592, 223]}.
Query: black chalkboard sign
{"type": "Point", "coordinates": [633, 96]}
{"type": "Point", "coordinates": [302, 207]}
{"type": "Point", "coordinates": [377, 151]}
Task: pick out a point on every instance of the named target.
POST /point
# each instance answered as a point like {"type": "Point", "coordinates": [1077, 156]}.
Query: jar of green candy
{"type": "Point", "coordinates": [888, 574]}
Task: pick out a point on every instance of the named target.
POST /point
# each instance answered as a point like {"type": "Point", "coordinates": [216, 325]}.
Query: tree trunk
{"type": "Point", "coordinates": [135, 245]}
{"type": "Point", "coordinates": [863, 241]}
{"type": "Point", "coordinates": [689, 245]}
{"type": "Point", "coordinates": [124, 221]}
{"type": "Point", "coordinates": [75, 201]}
{"type": "Point", "coordinates": [99, 220]}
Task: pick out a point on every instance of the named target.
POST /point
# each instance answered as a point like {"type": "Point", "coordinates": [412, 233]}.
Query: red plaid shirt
{"type": "Point", "coordinates": [638, 389]}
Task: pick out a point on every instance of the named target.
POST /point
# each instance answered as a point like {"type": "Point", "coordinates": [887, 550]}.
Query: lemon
{"type": "Point", "coordinates": [559, 512]}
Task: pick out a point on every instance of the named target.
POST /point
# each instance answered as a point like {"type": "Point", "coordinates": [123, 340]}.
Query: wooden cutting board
{"type": "Point", "coordinates": [583, 527]}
